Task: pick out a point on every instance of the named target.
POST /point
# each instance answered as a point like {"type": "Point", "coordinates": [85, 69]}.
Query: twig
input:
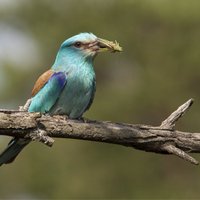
{"type": "Point", "coordinates": [41, 136]}
{"type": "Point", "coordinates": [180, 153]}
{"type": "Point", "coordinates": [26, 106]}
{"type": "Point", "coordinates": [169, 123]}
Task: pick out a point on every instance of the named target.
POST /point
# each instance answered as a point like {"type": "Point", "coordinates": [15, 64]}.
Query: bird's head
{"type": "Point", "coordinates": [84, 46]}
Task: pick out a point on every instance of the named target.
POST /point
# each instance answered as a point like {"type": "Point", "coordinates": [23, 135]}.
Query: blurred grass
{"type": "Point", "coordinates": [158, 71]}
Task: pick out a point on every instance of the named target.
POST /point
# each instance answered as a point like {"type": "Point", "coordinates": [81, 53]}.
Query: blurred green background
{"type": "Point", "coordinates": [158, 71]}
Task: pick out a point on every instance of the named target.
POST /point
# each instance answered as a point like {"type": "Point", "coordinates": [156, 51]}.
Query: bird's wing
{"type": "Point", "coordinates": [41, 81]}
{"type": "Point", "coordinates": [47, 90]}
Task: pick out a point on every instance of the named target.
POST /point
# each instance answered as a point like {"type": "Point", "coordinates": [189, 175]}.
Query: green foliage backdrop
{"type": "Point", "coordinates": [158, 70]}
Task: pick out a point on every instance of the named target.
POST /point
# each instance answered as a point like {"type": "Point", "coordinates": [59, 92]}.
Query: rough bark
{"type": "Point", "coordinates": [161, 139]}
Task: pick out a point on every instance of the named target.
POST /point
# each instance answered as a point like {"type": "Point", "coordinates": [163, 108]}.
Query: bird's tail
{"type": "Point", "coordinates": [13, 149]}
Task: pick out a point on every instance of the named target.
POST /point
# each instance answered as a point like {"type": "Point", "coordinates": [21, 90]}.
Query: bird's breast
{"type": "Point", "coordinates": [76, 94]}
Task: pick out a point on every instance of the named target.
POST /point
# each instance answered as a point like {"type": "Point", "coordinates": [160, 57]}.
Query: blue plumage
{"type": "Point", "coordinates": [68, 88]}
{"type": "Point", "coordinates": [44, 100]}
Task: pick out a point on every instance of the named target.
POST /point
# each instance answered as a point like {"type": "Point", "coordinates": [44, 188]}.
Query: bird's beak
{"type": "Point", "coordinates": [105, 45]}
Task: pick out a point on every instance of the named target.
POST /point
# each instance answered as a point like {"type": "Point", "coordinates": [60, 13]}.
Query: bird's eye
{"type": "Point", "coordinates": [77, 44]}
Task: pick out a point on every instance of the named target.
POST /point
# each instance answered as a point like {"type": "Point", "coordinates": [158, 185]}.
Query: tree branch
{"type": "Point", "coordinates": [161, 139]}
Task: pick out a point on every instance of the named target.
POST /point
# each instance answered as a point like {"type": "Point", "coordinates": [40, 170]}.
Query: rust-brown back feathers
{"type": "Point", "coordinates": [41, 81]}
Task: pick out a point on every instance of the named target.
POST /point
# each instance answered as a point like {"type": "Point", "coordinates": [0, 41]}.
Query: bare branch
{"type": "Point", "coordinates": [26, 106]}
{"type": "Point", "coordinates": [41, 136]}
{"type": "Point", "coordinates": [169, 123]}
{"type": "Point", "coordinates": [180, 153]}
{"type": "Point", "coordinates": [162, 139]}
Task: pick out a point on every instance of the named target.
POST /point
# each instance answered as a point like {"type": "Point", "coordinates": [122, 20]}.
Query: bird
{"type": "Point", "coordinates": [68, 87]}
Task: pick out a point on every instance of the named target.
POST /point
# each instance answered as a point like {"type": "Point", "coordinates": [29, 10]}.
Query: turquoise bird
{"type": "Point", "coordinates": [67, 88]}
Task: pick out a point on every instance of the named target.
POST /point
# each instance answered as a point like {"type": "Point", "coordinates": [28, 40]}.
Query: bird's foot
{"type": "Point", "coordinates": [60, 117]}
{"type": "Point", "coordinates": [83, 119]}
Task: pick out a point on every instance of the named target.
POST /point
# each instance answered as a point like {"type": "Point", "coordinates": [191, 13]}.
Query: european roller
{"type": "Point", "coordinates": [68, 88]}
